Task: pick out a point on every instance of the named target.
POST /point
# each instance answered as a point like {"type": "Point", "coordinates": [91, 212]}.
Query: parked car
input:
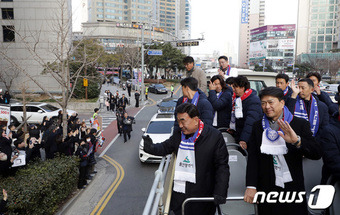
{"type": "Point", "coordinates": [36, 111]}
{"type": "Point", "coordinates": [157, 88]}
{"type": "Point", "coordinates": [167, 105]}
{"type": "Point", "coordinates": [332, 90]}
{"type": "Point", "coordinates": [159, 129]}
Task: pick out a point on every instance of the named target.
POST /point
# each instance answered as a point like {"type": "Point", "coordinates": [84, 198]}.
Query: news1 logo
{"type": "Point", "coordinates": [321, 197]}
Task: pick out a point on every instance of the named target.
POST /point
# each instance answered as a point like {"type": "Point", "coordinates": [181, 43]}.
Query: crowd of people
{"type": "Point", "coordinates": [6, 98]}
{"type": "Point", "coordinates": [45, 141]}
{"type": "Point", "coordinates": [279, 127]}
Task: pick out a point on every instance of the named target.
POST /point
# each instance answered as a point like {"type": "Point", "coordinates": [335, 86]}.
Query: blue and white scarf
{"type": "Point", "coordinates": [286, 90]}
{"type": "Point", "coordinates": [301, 112]}
{"type": "Point", "coordinates": [185, 168]}
{"type": "Point", "coordinates": [273, 144]}
{"type": "Point", "coordinates": [194, 99]}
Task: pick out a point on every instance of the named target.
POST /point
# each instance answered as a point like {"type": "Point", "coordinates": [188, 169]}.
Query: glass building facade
{"type": "Point", "coordinates": [323, 26]}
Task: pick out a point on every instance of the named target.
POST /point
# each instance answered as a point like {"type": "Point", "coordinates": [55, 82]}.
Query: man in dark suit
{"type": "Point", "coordinates": [282, 82]}
{"type": "Point", "coordinates": [277, 145]}
{"type": "Point", "coordinates": [304, 104]}
{"type": "Point", "coordinates": [123, 102]}
{"type": "Point", "coordinates": [201, 168]}
{"type": "Point", "coordinates": [192, 94]}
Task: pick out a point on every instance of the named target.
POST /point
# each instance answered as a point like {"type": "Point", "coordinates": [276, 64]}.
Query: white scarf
{"type": "Point", "coordinates": [185, 168]}
{"type": "Point", "coordinates": [274, 144]}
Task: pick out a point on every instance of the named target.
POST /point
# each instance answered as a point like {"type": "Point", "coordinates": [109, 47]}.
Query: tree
{"type": "Point", "coordinates": [64, 52]}
{"type": "Point", "coordinates": [7, 76]}
{"type": "Point", "coordinates": [171, 59]}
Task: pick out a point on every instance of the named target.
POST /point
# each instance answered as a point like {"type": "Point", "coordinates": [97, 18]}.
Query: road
{"type": "Point", "coordinates": [122, 183]}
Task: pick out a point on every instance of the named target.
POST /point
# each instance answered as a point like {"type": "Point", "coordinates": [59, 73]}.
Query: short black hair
{"type": "Point", "coordinates": [229, 80]}
{"type": "Point", "coordinates": [241, 81]}
{"type": "Point", "coordinates": [96, 109]}
{"type": "Point", "coordinates": [283, 76]}
{"type": "Point", "coordinates": [309, 82]}
{"type": "Point", "coordinates": [316, 74]}
{"type": "Point", "coordinates": [220, 78]}
{"type": "Point", "coordinates": [188, 108]}
{"type": "Point", "coordinates": [190, 82]}
{"type": "Point", "coordinates": [339, 88]}
{"type": "Point", "coordinates": [188, 59]}
{"type": "Point", "coordinates": [223, 57]}
{"type": "Point", "coordinates": [272, 91]}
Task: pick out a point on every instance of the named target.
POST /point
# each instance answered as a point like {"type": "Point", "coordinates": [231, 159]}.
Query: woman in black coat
{"type": "Point", "coordinates": [220, 97]}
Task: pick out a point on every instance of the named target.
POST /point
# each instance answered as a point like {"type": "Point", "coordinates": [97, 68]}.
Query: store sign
{"type": "Point", "coordinates": [244, 11]}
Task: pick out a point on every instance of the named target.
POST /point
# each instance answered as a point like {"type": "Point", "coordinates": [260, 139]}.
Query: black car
{"type": "Point", "coordinates": [157, 88]}
{"type": "Point", "coordinates": [167, 105]}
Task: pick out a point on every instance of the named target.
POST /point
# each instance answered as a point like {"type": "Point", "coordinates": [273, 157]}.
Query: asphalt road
{"type": "Point", "coordinates": [131, 195]}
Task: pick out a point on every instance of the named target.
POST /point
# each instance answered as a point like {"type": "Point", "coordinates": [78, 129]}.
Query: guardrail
{"type": "Point", "coordinates": [154, 201]}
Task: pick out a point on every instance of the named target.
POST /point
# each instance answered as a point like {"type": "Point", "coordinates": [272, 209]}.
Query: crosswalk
{"type": "Point", "coordinates": [107, 117]}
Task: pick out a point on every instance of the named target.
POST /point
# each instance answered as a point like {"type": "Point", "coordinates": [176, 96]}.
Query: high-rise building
{"type": "Point", "coordinates": [157, 13]}
{"type": "Point", "coordinates": [30, 39]}
{"type": "Point", "coordinates": [318, 26]}
{"type": "Point", "coordinates": [252, 16]}
{"type": "Point", "coordinates": [185, 23]}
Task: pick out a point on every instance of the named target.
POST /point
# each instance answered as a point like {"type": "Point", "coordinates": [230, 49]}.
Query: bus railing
{"type": "Point", "coordinates": [154, 202]}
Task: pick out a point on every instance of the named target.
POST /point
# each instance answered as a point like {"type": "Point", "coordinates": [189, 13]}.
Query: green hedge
{"type": "Point", "coordinates": [42, 186]}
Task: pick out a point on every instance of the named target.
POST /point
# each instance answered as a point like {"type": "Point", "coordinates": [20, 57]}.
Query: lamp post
{"type": "Point", "coordinates": [142, 49]}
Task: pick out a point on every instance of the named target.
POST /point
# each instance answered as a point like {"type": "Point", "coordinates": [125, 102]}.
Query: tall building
{"type": "Point", "coordinates": [156, 13]}
{"type": "Point", "coordinates": [185, 23]}
{"type": "Point", "coordinates": [318, 26]}
{"type": "Point", "coordinates": [252, 16]}
{"type": "Point", "coordinates": [29, 40]}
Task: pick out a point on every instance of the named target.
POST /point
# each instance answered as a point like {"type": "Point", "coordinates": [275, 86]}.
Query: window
{"type": "Point", "coordinates": [313, 38]}
{"type": "Point", "coordinates": [319, 47]}
{"type": "Point", "coordinates": [7, 13]}
{"type": "Point", "coordinates": [7, 0]}
{"type": "Point", "coordinates": [8, 33]}
{"type": "Point", "coordinates": [322, 16]}
{"type": "Point", "coordinates": [321, 31]}
{"type": "Point", "coordinates": [321, 38]}
{"type": "Point", "coordinates": [328, 38]}
{"type": "Point", "coordinates": [329, 23]}
{"type": "Point", "coordinates": [330, 16]}
{"type": "Point", "coordinates": [16, 108]}
{"type": "Point", "coordinates": [32, 109]}
{"type": "Point", "coordinates": [328, 46]}
{"type": "Point", "coordinates": [329, 30]}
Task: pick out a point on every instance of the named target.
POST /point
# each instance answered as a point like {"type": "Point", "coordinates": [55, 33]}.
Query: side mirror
{"type": "Point", "coordinates": [40, 111]}
{"type": "Point", "coordinates": [143, 129]}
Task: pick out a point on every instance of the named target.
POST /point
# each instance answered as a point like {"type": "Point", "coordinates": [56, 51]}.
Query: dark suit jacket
{"type": "Point", "coordinates": [223, 106]}
{"type": "Point", "coordinates": [212, 169]}
{"type": "Point", "coordinates": [260, 167]}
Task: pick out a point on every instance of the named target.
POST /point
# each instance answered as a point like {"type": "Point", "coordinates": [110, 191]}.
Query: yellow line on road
{"type": "Point", "coordinates": [153, 102]}
{"type": "Point", "coordinates": [108, 194]}
{"type": "Point", "coordinates": [179, 87]}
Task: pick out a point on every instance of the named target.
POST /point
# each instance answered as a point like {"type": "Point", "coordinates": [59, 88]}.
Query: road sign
{"type": "Point", "coordinates": [192, 43]}
{"type": "Point", "coordinates": [155, 52]}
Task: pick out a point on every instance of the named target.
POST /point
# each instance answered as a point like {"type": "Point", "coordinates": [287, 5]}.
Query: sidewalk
{"type": "Point", "coordinates": [106, 172]}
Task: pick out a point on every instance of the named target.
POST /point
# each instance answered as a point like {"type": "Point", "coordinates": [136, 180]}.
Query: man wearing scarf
{"type": "Point", "coordinates": [282, 82]}
{"type": "Point", "coordinates": [224, 69]}
{"type": "Point", "coordinates": [321, 95]}
{"type": "Point", "coordinates": [195, 72]}
{"type": "Point", "coordinates": [246, 109]}
{"type": "Point", "coordinates": [193, 95]}
{"type": "Point", "coordinates": [201, 168]}
{"type": "Point", "coordinates": [304, 105]}
{"type": "Point", "coordinates": [277, 145]}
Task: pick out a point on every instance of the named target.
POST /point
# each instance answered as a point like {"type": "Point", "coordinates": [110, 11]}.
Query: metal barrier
{"type": "Point", "coordinates": [154, 201]}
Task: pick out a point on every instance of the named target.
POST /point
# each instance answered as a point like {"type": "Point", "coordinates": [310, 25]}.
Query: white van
{"type": "Point", "coordinates": [258, 80]}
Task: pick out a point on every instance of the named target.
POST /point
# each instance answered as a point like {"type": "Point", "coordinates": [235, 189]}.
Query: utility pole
{"type": "Point", "coordinates": [142, 49]}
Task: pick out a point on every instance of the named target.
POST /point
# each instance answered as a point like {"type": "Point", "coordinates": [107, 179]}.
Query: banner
{"type": "Point", "coordinates": [5, 116]}
{"type": "Point", "coordinates": [244, 11]}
